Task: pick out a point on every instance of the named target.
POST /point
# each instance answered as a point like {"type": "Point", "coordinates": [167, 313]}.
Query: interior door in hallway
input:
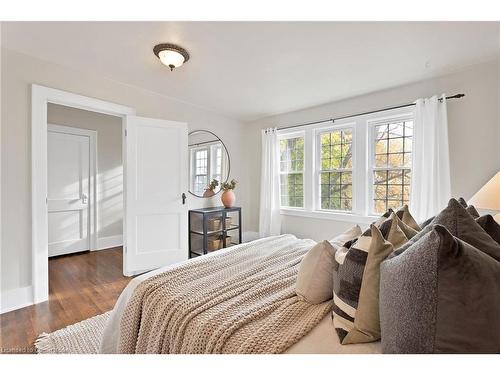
{"type": "Point", "coordinates": [68, 183]}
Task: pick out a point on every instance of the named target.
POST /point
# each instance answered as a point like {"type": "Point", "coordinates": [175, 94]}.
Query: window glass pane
{"type": "Point", "coordinates": [336, 191]}
{"type": "Point", "coordinates": [291, 168]}
{"type": "Point", "coordinates": [336, 165]}
{"type": "Point", "coordinates": [392, 156]}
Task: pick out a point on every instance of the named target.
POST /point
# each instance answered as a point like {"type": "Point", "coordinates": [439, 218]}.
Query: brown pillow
{"type": "Point", "coordinates": [440, 296]}
{"type": "Point", "coordinates": [349, 286]}
{"type": "Point", "coordinates": [367, 319]}
{"type": "Point", "coordinates": [460, 224]}
{"type": "Point", "coordinates": [314, 280]}
{"type": "Point", "coordinates": [472, 211]}
{"type": "Point", "coordinates": [405, 216]}
{"type": "Point", "coordinates": [462, 202]}
{"type": "Point", "coordinates": [490, 226]}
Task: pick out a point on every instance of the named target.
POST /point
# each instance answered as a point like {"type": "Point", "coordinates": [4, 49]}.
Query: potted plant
{"type": "Point", "coordinates": [210, 190]}
{"type": "Point", "coordinates": [228, 198]}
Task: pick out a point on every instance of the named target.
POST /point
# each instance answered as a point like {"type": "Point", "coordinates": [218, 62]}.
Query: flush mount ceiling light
{"type": "Point", "coordinates": [171, 55]}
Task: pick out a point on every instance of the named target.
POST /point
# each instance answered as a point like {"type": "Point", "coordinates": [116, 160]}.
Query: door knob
{"type": "Point", "coordinates": [84, 198]}
{"type": "Point", "coordinates": [183, 198]}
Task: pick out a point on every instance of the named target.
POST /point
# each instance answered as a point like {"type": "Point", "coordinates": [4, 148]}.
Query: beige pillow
{"type": "Point", "coordinates": [315, 278]}
{"type": "Point", "coordinates": [405, 216]}
{"type": "Point", "coordinates": [356, 282]}
{"type": "Point", "coordinates": [347, 236]}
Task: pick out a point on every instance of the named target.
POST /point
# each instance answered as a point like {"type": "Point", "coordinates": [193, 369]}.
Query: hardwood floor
{"type": "Point", "coordinates": [80, 286]}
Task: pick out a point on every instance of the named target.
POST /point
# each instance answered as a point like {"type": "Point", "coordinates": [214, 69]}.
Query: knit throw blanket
{"type": "Point", "coordinates": [238, 300]}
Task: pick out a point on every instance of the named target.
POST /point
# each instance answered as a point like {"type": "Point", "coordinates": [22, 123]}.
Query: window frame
{"type": "Point", "coordinates": [209, 148]}
{"type": "Point", "coordinates": [317, 165]}
{"type": "Point", "coordinates": [363, 148]}
{"type": "Point", "coordinates": [290, 135]}
{"type": "Point", "coordinates": [371, 125]}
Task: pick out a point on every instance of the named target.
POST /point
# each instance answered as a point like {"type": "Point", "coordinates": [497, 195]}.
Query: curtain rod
{"type": "Point", "coordinates": [456, 96]}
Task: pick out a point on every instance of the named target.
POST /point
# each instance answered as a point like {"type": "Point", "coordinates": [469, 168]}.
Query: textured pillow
{"type": "Point", "coordinates": [405, 216]}
{"type": "Point", "coordinates": [408, 231]}
{"type": "Point", "coordinates": [440, 296]}
{"type": "Point", "coordinates": [490, 226]}
{"type": "Point", "coordinates": [460, 224]}
{"type": "Point", "coordinates": [348, 281]}
{"type": "Point", "coordinates": [471, 210]}
{"type": "Point", "coordinates": [314, 280]}
{"type": "Point", "coordinates": [462, 202]}
{"type": "Point", "coordinates": [347, 236]}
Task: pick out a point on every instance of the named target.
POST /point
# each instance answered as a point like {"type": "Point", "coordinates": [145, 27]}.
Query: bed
{"type": "Point", "coordinates": [237, 300]}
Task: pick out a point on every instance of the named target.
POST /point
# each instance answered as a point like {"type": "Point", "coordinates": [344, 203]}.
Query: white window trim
{"type": "Point", "coordinates": [362, 176]}
{"type": "Point", "coordinates": [341, 125]}
{"type": "Point", "coordinates": [289, 135]}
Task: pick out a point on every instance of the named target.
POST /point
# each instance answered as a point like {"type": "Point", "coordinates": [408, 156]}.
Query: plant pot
{"type": "Point", "coordinates": [208, 193]}
{"type": "Point", "coordinates": [228, 198]}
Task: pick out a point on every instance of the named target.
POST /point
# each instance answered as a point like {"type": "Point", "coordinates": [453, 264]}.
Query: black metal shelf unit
{"type": "Point", "coordinates": [213, 228]}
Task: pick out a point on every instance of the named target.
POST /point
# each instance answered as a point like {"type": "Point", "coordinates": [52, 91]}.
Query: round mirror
{"type": "Point", "coordinates": [209, 163]}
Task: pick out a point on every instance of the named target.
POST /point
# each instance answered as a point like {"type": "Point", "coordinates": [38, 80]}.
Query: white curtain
{"type": "Point", "coordinates": [430, 189]}
{"type": "Point", "coordinates": [270, 219]}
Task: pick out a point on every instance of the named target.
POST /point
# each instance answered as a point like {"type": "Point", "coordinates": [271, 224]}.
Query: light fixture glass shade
{"type": "Point", "coordinates": [171, 58]}
{"type": "Point", "coordinates": [488, 197]}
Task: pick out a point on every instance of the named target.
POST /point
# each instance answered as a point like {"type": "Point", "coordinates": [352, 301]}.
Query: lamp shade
{"type": "Point", "coordinates": [488, 197]}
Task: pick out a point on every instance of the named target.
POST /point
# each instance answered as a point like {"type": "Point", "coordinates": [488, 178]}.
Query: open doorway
{"type": "Point", "coordinates": [84, 204]}
{"type": "Point", "coordinates": [84, 181]}
{"type": "Point", "coordinates": [155, 181]}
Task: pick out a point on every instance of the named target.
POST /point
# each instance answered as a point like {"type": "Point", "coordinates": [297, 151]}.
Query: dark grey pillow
{"type": "Point", "coordinates": [462, 202]}
{"type": "Point", "coordinates": [472, 211]}
{"type": "Point", "coordinates": [460, 224]}
{"type": "Point", "coordinates": [490, 226]}
{"type": "Point", "coordinates": [440, 296]}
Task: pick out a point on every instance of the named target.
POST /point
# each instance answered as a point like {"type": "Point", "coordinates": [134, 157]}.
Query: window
{"type": "Point", "coordinates": [335, 172]}
{"type": "Point", "coordinates": [292, 172]}
{"type": "Point", "coordinates": [391, 166]}
{"type": "Point", "coordinates": [200, 180]}
{"type": "Point", "coordinates": [207, 164]}
{"type": "Point", "coordinates": [353, 169]}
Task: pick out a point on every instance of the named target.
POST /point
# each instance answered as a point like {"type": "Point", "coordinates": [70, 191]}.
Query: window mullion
{"type": "Point", "coordinates": [309, 170]}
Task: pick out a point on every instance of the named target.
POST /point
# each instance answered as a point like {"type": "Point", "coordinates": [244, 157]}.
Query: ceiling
{"type": "Point", "coordinates": [248, 70]}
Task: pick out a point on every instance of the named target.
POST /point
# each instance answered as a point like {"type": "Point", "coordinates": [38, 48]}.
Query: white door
{"type": "Point", "coordinates": [68, 183]}
{"type": "Point", "coordinates": [156, 178]}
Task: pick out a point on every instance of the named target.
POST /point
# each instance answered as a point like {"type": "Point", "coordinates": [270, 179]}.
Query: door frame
{"type": "Point", "coordinates": [92, 214]}
{"type": "Point", "coordinates": [41, 96]}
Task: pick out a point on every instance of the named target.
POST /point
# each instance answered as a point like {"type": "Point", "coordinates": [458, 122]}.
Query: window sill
{"type": "Point", "coordinates": [329, 215]}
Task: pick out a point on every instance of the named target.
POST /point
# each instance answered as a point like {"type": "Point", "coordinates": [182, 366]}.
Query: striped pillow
{"type": "Point", "coordinates": [348, 270]}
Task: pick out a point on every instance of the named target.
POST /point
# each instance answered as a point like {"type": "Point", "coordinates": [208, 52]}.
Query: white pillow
{"type": "Point", "coordinates": [347, 236]}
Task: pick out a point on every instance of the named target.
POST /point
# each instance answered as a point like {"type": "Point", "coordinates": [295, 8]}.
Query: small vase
{"type": "Point", "coordinates": [228, 198]}
{"type": "Point", "coordinates": [208, 193]}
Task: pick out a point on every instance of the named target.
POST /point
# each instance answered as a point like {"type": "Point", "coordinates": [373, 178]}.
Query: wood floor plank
{"type": "Point", "coordinates": [80, 286]}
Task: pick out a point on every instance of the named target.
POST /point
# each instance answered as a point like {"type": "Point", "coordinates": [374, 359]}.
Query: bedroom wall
{"type": "Point", "coordinates": [109, 167]}
{"type": "Point", "coordinates": [474, 135]}
{"type": "Point", "coordinates": [18, 73]}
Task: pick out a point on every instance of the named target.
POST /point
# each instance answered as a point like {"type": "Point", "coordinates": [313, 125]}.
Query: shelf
{"type": "Point", "coordinates": [233, 227]}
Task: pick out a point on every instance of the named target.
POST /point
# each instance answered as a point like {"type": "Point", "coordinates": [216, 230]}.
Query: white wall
{"type": "Point", "coordinates": [109, 166]}
{"type": "Point", "coordinates": [474, 135]}
{"type": "Point", "coordinates": [18, 73]}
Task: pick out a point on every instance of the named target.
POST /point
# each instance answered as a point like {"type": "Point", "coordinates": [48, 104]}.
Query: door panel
{"type": "Point", "coordinates": [68, 157]}
{"type": "Point", "coordinates": [156, 178]}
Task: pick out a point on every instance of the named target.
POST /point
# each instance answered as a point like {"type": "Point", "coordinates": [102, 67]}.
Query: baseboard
{"type": "Point", "coordinates": [108, 242]}
{"type": "Point", "coordinates": [16, 299]}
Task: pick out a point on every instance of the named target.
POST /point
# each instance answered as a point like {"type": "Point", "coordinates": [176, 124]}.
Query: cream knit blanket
{"type": "Point", "coordinates": [239, 300]}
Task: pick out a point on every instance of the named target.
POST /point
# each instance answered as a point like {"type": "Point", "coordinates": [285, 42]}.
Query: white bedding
{"type": "Point", "coordinates": [321, 339]}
